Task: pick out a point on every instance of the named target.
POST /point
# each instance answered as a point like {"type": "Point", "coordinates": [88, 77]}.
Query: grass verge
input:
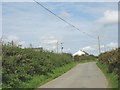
{"type": "Point", "coordinates": [39, 80]}
{"type": "Point", "coordinates": [85, 61]}
{"type": "Point", "coordinates": [111, 77]}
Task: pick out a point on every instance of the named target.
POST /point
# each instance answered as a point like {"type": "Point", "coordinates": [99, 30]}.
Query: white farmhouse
{"type": "Point", "coordinates": [79, 53]}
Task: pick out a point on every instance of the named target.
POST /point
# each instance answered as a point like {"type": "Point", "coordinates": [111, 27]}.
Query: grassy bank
{"type": "Point", "coordinates": [85, 61]}
{"type": "Point", "coordinates": [39, 80]}
{"type": "Point", "coordinates": [31, 67]}
{"type": "Point", "coordinates": [111, 77]}
{"type": "Point", "coordinates": [22, 65]}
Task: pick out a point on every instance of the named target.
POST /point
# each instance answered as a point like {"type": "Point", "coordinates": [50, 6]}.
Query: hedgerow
{"type": "Point", "coordinates": [112, 60]}
{"type": "Point", "coordinates": [20, 65]}
{"type": "Point", "coordinates": [84, 57]}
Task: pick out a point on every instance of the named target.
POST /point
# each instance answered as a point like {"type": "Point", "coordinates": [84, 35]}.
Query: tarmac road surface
{"type": "Point", "coordinates": [85, 75]}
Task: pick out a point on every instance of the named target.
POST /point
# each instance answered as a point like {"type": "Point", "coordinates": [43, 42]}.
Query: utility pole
{"type": "Point", "coordinates": [61, 48]}
{"type": "Point", "coordinates": [104, 43]}
{"type": "Point", "coordinates": [104, 47]}
{"type": "Point", "coordinates": [99, 44]}
{"type": "Point", "coordinates": [57, 46]}
{"type": "Point", "coordinates": [31, 46]}
{"type": "Point", "coordinates": [12, 43]}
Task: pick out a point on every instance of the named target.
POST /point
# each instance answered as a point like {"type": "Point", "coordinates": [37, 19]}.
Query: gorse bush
{"type": "Point", "coordinates": [112, 60]}
{"type": "Point", "coordinates": [84, 57]}
{"type": "Point", "coordinates": [20, 65]}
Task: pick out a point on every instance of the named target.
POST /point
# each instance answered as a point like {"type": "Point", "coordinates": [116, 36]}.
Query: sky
{"type": "Point", "coordinates": [28, 23]}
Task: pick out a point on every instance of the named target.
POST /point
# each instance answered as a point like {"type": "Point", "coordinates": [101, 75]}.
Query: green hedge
{"type": "Point", "coordinates": [20, 65]}
{"type": "Point", "coordinates": [111, 77]}
{"type": "Point", "coordinates": [112, 60]}
{"type": "Point", "coordinates": [84, 57]}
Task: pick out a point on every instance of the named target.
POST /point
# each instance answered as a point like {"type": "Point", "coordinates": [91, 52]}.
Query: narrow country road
{"type": "Point", "coordinates": [86, 75]}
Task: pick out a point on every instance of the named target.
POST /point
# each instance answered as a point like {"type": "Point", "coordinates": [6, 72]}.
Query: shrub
{"type": "Point", "coordinates": [20, 65]}
{"type": "Point", "coordinates": [112, 59]}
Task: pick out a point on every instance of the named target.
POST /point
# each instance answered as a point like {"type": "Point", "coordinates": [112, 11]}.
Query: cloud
{"type": "Point", "coordinates": [48, 40]}
{"type": "Point", "coordinates": [65, 14]}
{"type": "Point", "coordinates": [12, 38]}
{"type": "Point", "coordinates": [34, 22]}
{"type": "Point", "coordinates": [15, 39]}
{"type": "Point", "coordinates": [21, 43]}
{"type": "Point", "coordinates": [110, 17]}
{"type": "Point", "coordinates": [112, 45]}
{"type": "Point", "coordinates": [0, 19]}
{"type": "Point", "coordinates": [61, 0]}
{"type": "Point", "coordinates": [88, 48]}
{"type": "Point", "coordinates": [109, 46]}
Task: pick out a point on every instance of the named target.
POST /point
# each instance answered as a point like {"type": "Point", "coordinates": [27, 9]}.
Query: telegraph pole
{"type": "Point", "coordinates": [99, 44]}
{"type": "Point", "coordinates": [57, 46]}
{"type": "Point", "coordinates": [61, 48]}
{"type": "Point", "coordinates": [104, 43]}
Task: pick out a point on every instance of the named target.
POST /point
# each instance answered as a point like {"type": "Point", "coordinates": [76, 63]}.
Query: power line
{"type": "Point", "coordinates": [64, 20]}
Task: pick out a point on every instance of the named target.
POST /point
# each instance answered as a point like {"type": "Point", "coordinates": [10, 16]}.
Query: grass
{"type": "Point", "coordinates": [111, 77]}
{"type": "Point", "coordinates": [85, 61]}
{"type": "Point", "coordinates": [39, 80]}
